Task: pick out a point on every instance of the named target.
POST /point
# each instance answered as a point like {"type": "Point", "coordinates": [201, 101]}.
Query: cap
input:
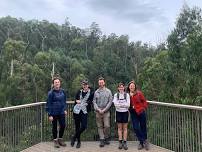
{"type": "Point", "coordinates": [84, 82]}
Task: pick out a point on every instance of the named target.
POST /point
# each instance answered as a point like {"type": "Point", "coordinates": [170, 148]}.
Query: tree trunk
{"type": "Point", "coordinates": [11, 74]}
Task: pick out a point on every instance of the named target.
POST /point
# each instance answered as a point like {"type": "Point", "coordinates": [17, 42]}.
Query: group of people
{"type": "Point", "coordinates": [127, 101]}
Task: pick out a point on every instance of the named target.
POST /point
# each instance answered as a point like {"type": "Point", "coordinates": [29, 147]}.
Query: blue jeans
{"type": "Point", "coordinates": [139, 125]}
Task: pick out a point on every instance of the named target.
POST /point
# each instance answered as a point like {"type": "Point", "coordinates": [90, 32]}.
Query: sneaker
{"type": "Point", "coordinates": [61, 142]}
{"type": "Point", "coordinates": [125, 147]}
{"type": "Point", "coordinates": [56, 144]}
{"type": "Point", "coordinates": [146, 145]}
{"type": "Point", "coordinates": [120, 144]}
{"type": "Point", "coordinates": [73, 141]}
{"type": "Point", "coordinates": [102, 143]}
{"type": "Point", "coordinates": [78, 144]}
{"type": "Point", "coordinates": [107, 141]}
{"type": "Point", "coordinates": [140, 146]}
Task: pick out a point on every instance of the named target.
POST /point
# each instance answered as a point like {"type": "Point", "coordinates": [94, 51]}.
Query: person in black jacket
{"type": "Point", "coordinates": [56, 107]}
{"type": "Point", "coordinates": [81, 108]}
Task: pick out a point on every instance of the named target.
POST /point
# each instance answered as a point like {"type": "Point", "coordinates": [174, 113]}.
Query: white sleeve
{"type": "Point", "coordinates": [115, 101]}
{"type": "Point", "coordinates": [128, 100]}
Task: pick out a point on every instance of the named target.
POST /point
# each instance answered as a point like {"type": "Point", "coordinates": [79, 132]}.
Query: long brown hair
{"type": "Point", "coordinates": [128, 89]}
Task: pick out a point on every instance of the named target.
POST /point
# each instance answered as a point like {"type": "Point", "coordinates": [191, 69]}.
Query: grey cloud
{"type": "Point", "coordinates": [133, 10]}
{"type": "Point", "coordinates": [27, 6]}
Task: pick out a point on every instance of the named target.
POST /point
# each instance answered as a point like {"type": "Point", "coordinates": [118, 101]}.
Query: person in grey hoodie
{"type": "Point", "coordinates": [102, 102]}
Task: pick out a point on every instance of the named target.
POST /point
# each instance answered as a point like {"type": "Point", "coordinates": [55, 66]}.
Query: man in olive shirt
{"type": "Point", "coordinates": [102, 102]}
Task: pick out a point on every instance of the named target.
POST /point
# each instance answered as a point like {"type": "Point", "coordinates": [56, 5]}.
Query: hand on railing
{"type": "Point", "coordinates": [65, 112]}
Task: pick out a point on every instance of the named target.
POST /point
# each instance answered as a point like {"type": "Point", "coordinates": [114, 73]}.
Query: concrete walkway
{"type": "Point", "coordinates": [91, 147]}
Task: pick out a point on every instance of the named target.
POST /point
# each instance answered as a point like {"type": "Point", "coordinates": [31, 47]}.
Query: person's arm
{"type": "Point", "coordinates": [127, 105]}
{"type": "Point", "coordinates": [94, 102]}
{"type": "Point", "coordinates": [143, 100]}
{"type": "Point", "coordinates": [115, 101]}
{"type": "Point", "coordinates": [77, 97]}
{"type": "Point", "coordinates": [110, 98]}
{"type": "Point", "coordinates": [48, 103]}
{"type": "Point", "coordinates": [65, 103]}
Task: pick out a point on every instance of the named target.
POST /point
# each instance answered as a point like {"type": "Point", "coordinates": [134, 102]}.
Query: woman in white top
{"type": "Point", "coordinates": [122, 103]}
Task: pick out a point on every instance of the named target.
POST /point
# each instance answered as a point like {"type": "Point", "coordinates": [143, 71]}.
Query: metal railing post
{"type": "Point", "coordinates": [41, 123]}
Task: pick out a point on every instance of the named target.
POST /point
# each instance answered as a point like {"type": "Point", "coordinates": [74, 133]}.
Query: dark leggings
{"type": "Point", "coordinates": [61, 120]}
{"type": "Point", "coordinates": [80, 124]}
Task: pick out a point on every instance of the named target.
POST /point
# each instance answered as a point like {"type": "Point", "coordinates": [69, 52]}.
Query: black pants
{"type": "Point", "coordinates": [139, 125]}
{"type": "Point", "coordinates": [80, 124]}
{"type": "Point", "coordinates": [61, 120]}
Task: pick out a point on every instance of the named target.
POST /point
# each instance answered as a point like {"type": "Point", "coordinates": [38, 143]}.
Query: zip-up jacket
{"type": "Point", "coordinates": [138, 102]}
{"type": "Point", "coordinates": [56, 102]}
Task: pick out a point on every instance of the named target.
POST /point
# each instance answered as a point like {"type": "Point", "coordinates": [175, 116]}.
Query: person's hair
{"type": "Point", "coordinates": [128, 89]}
{"type": "Point", "coordinates": [121, 84]}
{"type": "Point", "coordinates": [55, 78]}
{"type": "Point", "coordinates": [101, 78]}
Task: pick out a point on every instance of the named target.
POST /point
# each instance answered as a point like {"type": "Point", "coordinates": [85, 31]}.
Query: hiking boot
{"type": "Point", "coordinates": [56, 144]}
{"type": "Point", "coordinates": [78, 145]}
{"type": "Point", "coordinates": [106, 142]}
{"type": "Point", "coordinates": [61, 142]}
{"type": "Point", "coordinates": [146, 145]}
{"type": "Point", "coordinates": [125, 147]}
{"type": "Point", "coordinates": [120, 144]}
{"type": "Point", "coordinates": [102, 143]}
{"type": "Point", "coordinates": [140, 146]}
{"type": "Point", "coordinates": [73, 141]}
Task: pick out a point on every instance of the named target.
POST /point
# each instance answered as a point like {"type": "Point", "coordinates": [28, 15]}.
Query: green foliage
{"type": "Point", "coordinates": [30, 49]}
{"type": "Point", "coordinates": [174, 75]}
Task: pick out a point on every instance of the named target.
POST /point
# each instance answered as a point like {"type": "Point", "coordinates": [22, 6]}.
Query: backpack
{"type": "Point", "coordinates": [125, 95]}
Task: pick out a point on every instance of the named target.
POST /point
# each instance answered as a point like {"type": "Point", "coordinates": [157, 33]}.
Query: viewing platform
{"type": "Point", "coordinates": [171, 127]}
{"type": "Point", "coordinates": [91, 147]}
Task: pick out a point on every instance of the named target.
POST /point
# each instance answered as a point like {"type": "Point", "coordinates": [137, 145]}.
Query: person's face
{"type": "Point", "coordinates": [132, 87]}
{"type": "Point", "coordinates": [85, 86]}
{"type": "Point", "coordinates": [56, 83]}
{"type": "Point", "coordinates": [121, 88]}
{"type": "Point", "coordinates": [101, 83]}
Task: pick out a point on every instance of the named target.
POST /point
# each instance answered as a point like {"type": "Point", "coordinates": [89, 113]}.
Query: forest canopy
{"type": "Point", "coordinates": [31, 52]}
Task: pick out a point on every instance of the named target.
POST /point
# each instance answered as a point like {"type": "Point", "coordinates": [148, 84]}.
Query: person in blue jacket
{"type": "Point", "coordinates": [56, 107]}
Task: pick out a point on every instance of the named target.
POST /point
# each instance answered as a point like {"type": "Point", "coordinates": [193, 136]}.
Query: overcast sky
{"type": "Point", "coordinates": [146, 20]}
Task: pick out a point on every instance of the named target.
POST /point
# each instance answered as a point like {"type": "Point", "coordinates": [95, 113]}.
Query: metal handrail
{"type": "Point", "coordinates": [25, 106]}
{"type": "Point", "coordinates": [150, 102]}
{"type": "Point", "coordinates": [21, 106]}
{"type": "Point", "coordinates": [182, 106]}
